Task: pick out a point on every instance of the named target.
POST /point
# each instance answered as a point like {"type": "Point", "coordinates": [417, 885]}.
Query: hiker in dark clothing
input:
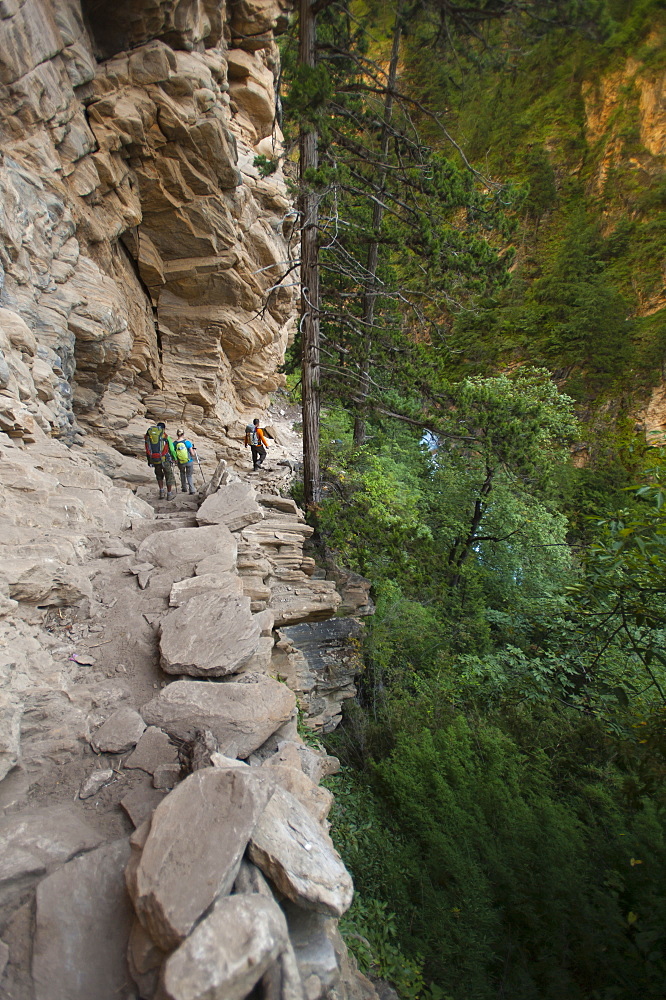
{"type": "Point", "coordinates": [255, 437]}
{"type": "Point", "coordinates": [161, 456]}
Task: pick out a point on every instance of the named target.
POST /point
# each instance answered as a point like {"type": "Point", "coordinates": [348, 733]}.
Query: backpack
{"type": "Point", "coordinates": [182, 452]}
{"type": "Point", "coordinates": [155, 445]}
{"type": "Point", "coordinates": [254, 438]}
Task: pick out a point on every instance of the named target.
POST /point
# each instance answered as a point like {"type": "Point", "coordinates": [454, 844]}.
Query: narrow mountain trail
{"type": "Point", "coordinates": [121, 639]}
{"type": "Point", "coordinates": [185, 670]}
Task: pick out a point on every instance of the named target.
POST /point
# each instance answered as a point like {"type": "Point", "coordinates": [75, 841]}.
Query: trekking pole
{"type": "Point", "coordinates": [203, 478]}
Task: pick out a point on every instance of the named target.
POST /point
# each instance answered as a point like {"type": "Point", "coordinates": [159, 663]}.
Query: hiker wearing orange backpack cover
{"type": "Point", "coordinates": [255, 437]}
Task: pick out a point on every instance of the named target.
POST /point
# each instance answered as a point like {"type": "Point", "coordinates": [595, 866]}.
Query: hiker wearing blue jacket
{"type": "Point", "coordinates": [185, 454]}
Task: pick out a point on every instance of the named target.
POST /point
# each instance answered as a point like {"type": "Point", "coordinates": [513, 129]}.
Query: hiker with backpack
{"type": "Point", "coordinates": [185, 454]}
{"type": "Point", "coordinates": [255, 437]}
{"type": "Point", "coordinates": [161, 456]}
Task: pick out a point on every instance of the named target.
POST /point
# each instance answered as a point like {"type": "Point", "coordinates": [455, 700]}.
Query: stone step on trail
{"type": "Point", "coordinates": [193, 850]}
{"type": "Point", "coordinates": [241, 714]}
{"type": "Point", "coordinates": [298, 857]}
{"type": "Point", "coordinates": [210, 635]}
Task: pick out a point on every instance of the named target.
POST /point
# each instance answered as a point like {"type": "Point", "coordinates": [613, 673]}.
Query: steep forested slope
{"type": "Point", "coordinates": [503, 807]}
{"type": "Point", "coordinates": [576, 118]}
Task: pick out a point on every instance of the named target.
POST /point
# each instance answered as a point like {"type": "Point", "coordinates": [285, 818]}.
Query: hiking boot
{"type": "Point", "coordinates": [192, 491]}
{"type": "Point", "coordinates": [183, 490]}
{"type": "Point", "coordinates": [162, 494]}
{"type": "Point", "coordinates": [171, 495]}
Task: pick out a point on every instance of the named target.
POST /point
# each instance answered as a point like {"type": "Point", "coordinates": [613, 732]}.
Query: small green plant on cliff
{"type": "Point", "coordinates": [265, 165]}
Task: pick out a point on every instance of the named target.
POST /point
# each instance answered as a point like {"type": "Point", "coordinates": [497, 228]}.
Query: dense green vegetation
{"type": "Point", "coordinates": [558, 113]}
{"type": "Point", "coordinates": [503, 801]}
{"type": "Point", "coordinates": [502, 806]}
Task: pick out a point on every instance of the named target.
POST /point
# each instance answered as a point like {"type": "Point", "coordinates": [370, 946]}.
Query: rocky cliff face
{"type": "Point", "coordinates": [150, 653]}
{"type": "Point", "coordinates": [625, 118]}
{"type": "Point", "coordinates": [138, 243]}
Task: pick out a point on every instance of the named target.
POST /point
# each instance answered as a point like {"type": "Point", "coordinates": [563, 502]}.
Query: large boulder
{"type": "Point", "coordinates": [299, 599]}
{"type": "Point", "coordinates": [209, 636]}
{"type": "Point", "coordinates": [184, 547]}
{"type": "Point", "coordinates": [82, 926]}
{"type": "Point", "coordinates": [317, 800]}
{"type": "Point", "coordinates": [234, 505]}
{"type": "Point", "coordinates": [228, 953]}
{"type": "Point", "coordinates": [193, 851]}
{"type": "Point", "coordinates": [240, 715]}
{"type": "Point", "coordinates": [316, 764]}
{"type": "Point", "coordinates": [293, 851]}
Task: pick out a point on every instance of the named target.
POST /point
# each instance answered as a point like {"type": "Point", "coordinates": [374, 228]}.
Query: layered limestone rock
{"type": "Point", "coordinates": [58, 515]}
{"type": "Point", "coordinates": [140, 250]}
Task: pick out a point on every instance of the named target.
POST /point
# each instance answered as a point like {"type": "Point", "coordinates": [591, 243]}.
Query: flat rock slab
{"type": "Point", "coordinates": [82, 928]}
{"type": "Point", "coordinates": [117, 552]}
{"type": "Point", "coordinates": [284, 504]}
{"type": "Point", "coordinates": [188, 546]}
{"type": "Point", "coordinates": [141, 802]}
{"type": "Point", "coordinates": [120, 732]}
{"type": "Point", "coordinates": [222, 584]}
{"type": "Point", "coordinates": [152, 751]}
{"type": "Point", "coordinates": [293, 851]}
{"type": "Point", "coordinates": [241, 714]}
{"type": "Point", "coordinates": [233, 505]}
{"type": "Point", "coordinates": [167, 776]}
{"type": "Point", "coordinates": [209, 636]}
{"type": "Point", "coordinates": [193, 851]}
{"type": "Point", "coordinates": [317, 800]}
{"type": "Point", "coordinates": [228, 953]}
{"type": "Point", "coordinates": [37, 841]}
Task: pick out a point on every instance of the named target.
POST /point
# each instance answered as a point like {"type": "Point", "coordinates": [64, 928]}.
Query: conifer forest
{"type": "Point", "coordinates": [480, 362]}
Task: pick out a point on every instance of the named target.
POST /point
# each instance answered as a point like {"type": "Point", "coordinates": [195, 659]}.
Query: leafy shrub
{"type": "Point", "coordinates": [501, 880]}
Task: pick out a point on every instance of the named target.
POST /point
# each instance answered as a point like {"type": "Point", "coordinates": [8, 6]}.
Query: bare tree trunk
{"type": "Point", "coordinates": [370, 289]}
{"type": "Point", "coordinates": [308, 209]}
{"type": "Point", "coordinates": [460, 552]}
